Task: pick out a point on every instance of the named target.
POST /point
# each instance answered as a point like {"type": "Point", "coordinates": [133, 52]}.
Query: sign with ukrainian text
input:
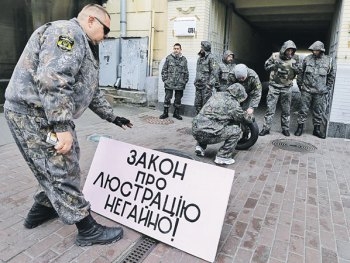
{"type": "Point", "coordinates": [178, 201]}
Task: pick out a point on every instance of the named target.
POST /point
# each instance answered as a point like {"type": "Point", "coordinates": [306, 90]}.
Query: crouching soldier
{"type": "Point", "coordinates": [219, 121]}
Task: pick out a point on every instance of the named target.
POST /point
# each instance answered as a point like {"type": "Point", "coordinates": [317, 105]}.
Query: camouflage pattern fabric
{"type": "Point", "coordinates": [219, 121]}
{"type": "Point", "coordinates": [175, 76]}
{"type": "Point", "coordinates": [315, 102]}
{"type": "Point", "coordinates": [285, 95]}
{"type": "Point", "coordinates": [224, 69]}
{"type": "Point", "coordinates": [58, 175]}
{"type": "Point", "coordinates": [316, 78]}
{"type": "Point", "coordinates": [282, 72]}
{"type": "Point", "coordinates": [54, 82]}
{"type": "Point", "coordinates": [169, 95]}
{"type": "Point", "coordinates": [252, 86]}
{"type": "Point", "coordinates": [60, 78]}
{"type": "Point", "coordinates": [175, 72]}
{"type": "Point", "coordinates": [206, 76]}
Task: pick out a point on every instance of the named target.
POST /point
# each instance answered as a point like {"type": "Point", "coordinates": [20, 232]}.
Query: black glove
{"type": "Point", "coordinates": [121, 121]}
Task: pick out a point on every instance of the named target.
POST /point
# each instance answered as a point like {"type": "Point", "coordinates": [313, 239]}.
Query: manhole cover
{"type": "Point", "coordinates": [185, 131]}
{"type": "Point", "coordinates": [156, 120]}
{"type": "Point", "coordinates": [139, 251]}
{"type": "Point", "coordinates": [294, 145]}
{"type": "Point", "coordinates": [97, 137]}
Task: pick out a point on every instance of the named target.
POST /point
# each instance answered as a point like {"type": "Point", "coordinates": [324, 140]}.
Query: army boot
{"type": "Point", "coordinates": [299, 130]}
{"type": "Point", "coordinates": [38, 215]}
{"type": "Point", "coordinates": [90, 233]}
{"type": "Point", "coordinates": [165, 113]}
{"type": "Point", "coordinates": [317, 132]}
{"type": "Point", "coordinates": [176, 114]}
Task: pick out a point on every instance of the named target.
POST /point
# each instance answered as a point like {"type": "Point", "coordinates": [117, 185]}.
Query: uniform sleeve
{"type": "Point", "coordinates": [269, 64]}
{"type": "Point", "coordinates": [213, 67]}
{"type": "Point", "coordinates": [101, 106]}
{"type": "Point", "coordinates": [165, 70]}
{"type": "Point", "coordinates": [186, 73]}
{"type": "Point", "coordinates": [255, 94]}
{"type": "Point", "coordinates": [300, 77]}
{"type": "Point", "coordinates": [330, 76]}
{"type": "Point", "coordinates": [61, 54]}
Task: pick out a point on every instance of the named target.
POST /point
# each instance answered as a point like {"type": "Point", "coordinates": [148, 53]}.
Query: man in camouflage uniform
{"type": "Point", "coordinates": [315, 81]}
{"type": "Point", "coordinates": [54, 82]}
{"type": "Point", "coordinates": [218, 121]}
{"type": "Point", "coordinates": [175, 76]}
{"type": "Point", "coordinates": [251, 82]}
{"type": "Point", "coordinates": [206, 75]}
{"type": "Point", "coordinates": [283, 67]}
{"type": "Point", "coordinates": [225, 67]}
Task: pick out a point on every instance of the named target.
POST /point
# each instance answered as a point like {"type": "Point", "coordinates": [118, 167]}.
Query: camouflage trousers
{"type": "Point", "coordinates": [168, 96]}
{"type": "Point", "coordinates": [315, 102]}
{"type": "Point", "coordinates": [201, 97]}
{"type": "Point", "coordinates": [285, 96]}
{"type": "Point", "coordinates": [229, 135]}
{"type": "Point", "coordinates": [58, 175]}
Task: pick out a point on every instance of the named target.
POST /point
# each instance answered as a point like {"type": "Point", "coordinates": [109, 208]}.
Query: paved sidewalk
{"type": "Point", "coordinates": [284, 206]}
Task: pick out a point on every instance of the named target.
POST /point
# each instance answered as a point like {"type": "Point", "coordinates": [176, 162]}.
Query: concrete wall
{"type": "Point", "coordinates": [339, 125]}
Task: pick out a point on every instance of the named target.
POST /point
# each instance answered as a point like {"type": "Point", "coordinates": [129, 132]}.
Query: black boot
{"type": "Point", "coordinates": [264, 131]}
{"type": "Point", "coordinates": [165, 113]}
{"type": "Point", "coordinates": [317, 132]}
{"type": "Point", "coordinates": [90, 233]}
{"type": "Point", "coordinates": [299, 130]}
{"type": "Point", "coordinates": [38, 215]}
{"type": "Point", "coordinates": [176, 114]}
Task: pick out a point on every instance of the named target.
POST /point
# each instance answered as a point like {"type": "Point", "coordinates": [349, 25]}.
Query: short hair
{"type": "Point", "coordinates": [94, 8]}
{"type": "Point", "coordinates": [178, 44]}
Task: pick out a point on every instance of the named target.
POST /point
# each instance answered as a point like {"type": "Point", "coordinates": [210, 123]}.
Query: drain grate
{"type": "Point", "coordinates": [156, 120]}
{"type": "Point", "coordinates": [139, 251]}
{"type": "Point", "coordinates": [294, 145]}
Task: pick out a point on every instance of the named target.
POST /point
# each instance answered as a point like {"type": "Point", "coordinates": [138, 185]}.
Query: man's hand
{"type": "Point", "coordinates": [250, 111]}
{"type": "Point", "coordinates": [122, 122]}
{"type": "Point", "coordinates": [65, 142]}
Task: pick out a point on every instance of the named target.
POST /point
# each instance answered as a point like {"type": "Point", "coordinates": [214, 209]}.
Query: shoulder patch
{"type": "Point", "coordinates": [65, 43]}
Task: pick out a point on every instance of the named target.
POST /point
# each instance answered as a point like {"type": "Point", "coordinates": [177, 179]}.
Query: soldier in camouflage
{"type": "Point", "coordinates": [54, 82]}
{"type": "Point", "coordinates": [175, 76]}
{"type": "Point", "coordinates": [225, 67]}
{"type": "Point", "coordinates": [251, 82]}
{"type": "Point", "coordinates": [283, 67]}
{"type": "Point", "coordinates": [315, 81]}
{"type": "Point", "coordinates": [219, 121]}
{"type": "Point", "coordinates": [206, 76]}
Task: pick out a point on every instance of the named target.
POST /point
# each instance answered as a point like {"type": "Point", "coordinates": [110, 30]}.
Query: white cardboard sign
{"type": "Point", "coordinates": [178, 201]}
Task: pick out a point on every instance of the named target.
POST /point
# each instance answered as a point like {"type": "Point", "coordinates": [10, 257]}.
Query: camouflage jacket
{"type": "Point", "coordinates": [57, 73]}
{"type": "Point", "coordinates": [206, 72]}
{"type": "Point", "coordinates": [282, 70]}
{"type": "Point", "coordinates": [221, 109]}
{"type": "Point", "coordinates": [252, 86]}
{"type": "Point", "coordinates": [317, 74]}
{"type": "Point", "coordinates": [175, 72]}
{"type": "Point", "coordinates": [224, 69]}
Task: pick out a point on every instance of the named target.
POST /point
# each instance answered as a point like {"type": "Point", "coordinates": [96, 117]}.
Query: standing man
{"type": "Point", "coordinates": [250, 80]}
{"type": "Point", "coordinates": [54, 82]}
{"type": "Point", "coordinates": [206, 75]}
{"type": "Point", "coordinates": [225, 67]}
{"type": "Point", "coordinates": [175, 76]}
{"type": "Point", "coordinates": [315, 81]}
{"type": "Point", "coordinates": [283, 67]}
